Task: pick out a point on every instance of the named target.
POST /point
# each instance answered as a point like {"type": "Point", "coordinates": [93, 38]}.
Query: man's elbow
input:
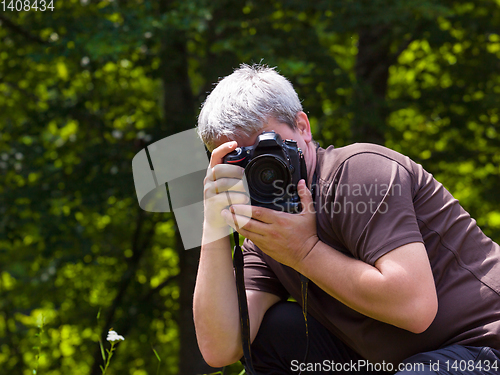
{"type": "Point", "coordinates": [423, 316]}
{"type": "Point", "coordinates": [215, 361]}
{"type": "Point", "coordinates": [219, 357]}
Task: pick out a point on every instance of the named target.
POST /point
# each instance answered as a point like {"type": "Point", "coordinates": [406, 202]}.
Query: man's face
{"type": "Point", "coordinates": [278, 127]}
{"type": "Point", "coordinates": [302, 135]}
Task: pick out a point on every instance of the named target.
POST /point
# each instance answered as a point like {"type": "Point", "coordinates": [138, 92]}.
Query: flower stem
{"type": "Point", "coordinates": [110, 354]}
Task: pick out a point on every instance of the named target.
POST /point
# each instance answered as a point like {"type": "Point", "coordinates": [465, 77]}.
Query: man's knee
{"type": "Point", "coordinates": [282, 322]}
{"type": "Point", "coordinates": [279, 336]}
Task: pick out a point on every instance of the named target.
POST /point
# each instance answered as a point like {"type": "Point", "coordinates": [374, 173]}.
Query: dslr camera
{"type": "Point", "coordinates": [273, 168]}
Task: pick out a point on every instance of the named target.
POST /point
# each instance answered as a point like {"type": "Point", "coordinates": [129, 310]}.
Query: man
{"type": "Point", "coordinates": [400, 275]}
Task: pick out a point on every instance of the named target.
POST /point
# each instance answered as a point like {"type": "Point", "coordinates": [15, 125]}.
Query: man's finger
{"type": "Point", "coordinates": [230, 184]}
{"type": "Point", "coordinates": [241, 210]}
{"type": "Point", "coordinates": [235, 221]}
{"type": "Point", "coordinates": [305, 196]}
{"type": "Point", "coordinates": [262, 214]}
{"type": "Point", "coordinates": [221, 151]}
{"type": "Point", "coordinates": [244, 223]}
{"type": "Point", "coordinates": [254, 237]}
{"type": "Point", "coordinates": [225, 171]}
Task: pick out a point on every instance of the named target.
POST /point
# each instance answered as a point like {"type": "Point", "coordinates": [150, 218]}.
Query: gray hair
{"type": "Point", "coordinates": [242, 103]}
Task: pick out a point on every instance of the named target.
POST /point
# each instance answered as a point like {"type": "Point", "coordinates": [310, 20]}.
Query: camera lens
{"type": "Point", "coordinates": [267, 177]}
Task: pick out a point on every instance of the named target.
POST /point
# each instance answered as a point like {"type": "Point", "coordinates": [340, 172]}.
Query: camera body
{"type": "Point", "coordinates": [273, 168]}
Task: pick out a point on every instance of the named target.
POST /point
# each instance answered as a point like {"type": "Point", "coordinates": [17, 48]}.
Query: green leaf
{"type": "Point", "coordinates": [102, 351]}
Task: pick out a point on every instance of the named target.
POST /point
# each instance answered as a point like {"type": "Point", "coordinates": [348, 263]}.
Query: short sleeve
{"type": "Point", "coordinates": [373, 203]}
{"type": "Point", "coordinates": [258, 275]}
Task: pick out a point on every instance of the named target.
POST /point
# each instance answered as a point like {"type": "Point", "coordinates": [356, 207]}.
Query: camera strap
{"type": "Point", "coordinates": [242, 298]}
{"type": "Point", "coordinates": [304, 281]}
{"type": "Point", "coordinates": [242, 304]}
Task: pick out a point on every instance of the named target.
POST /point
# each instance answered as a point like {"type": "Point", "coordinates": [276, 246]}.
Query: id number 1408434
{"type": "Point", "coordinates": [27, 5]}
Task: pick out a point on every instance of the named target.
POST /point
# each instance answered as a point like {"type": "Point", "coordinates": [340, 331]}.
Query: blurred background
{"type": "Point", "coordinates": [86, 85]}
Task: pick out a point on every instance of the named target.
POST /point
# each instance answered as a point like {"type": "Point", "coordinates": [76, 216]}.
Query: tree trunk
{"type": "Point", "coordinates": [179, 115]}
{"type": "Point", "coordinates": [372, 72]}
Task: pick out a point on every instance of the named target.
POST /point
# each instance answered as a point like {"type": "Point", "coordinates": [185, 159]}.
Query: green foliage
{"type": "Point", "coordinates": [87, 86]}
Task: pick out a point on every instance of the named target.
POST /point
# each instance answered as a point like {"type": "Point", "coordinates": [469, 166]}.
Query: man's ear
{"type": "Point", "coordinates": [304, 127]}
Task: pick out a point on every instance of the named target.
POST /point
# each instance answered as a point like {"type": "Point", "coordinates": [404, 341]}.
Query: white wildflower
{"type": "Point", "coordinates": [113, 336]}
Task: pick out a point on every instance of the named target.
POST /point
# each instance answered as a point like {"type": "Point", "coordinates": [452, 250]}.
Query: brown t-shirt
{"type": "Point", "coordinates": [371, 200]}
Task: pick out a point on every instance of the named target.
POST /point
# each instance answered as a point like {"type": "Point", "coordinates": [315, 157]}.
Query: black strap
{"type": "Point", "coordinates": [242, 298]}
{"type": "Point", "coordinates": [242, 304]}
{"type": "Point", "coordinates": [304, 281]}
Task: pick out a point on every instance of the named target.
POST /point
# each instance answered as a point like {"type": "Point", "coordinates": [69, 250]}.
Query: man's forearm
{"type": "Point", "coordinates": [407, 303]}
{"type": "Point", "coordinates": [215, 304]}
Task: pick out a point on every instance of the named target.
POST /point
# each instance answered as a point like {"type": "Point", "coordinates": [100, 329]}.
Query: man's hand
{"type": "Point", "coordinates": [223, 185]}
{"type": "Point", "coordinates": [287, 238]}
